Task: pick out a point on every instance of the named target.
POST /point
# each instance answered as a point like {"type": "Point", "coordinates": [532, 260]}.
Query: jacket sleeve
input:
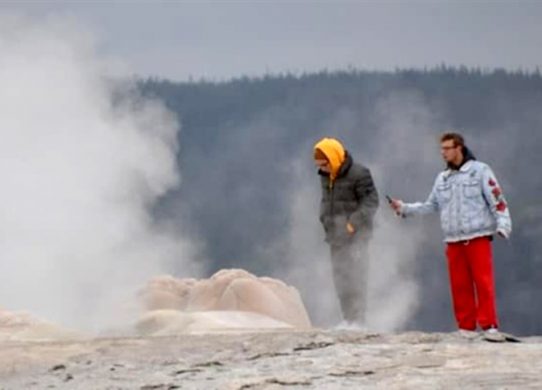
{"type": "Point", "coordinates": [368, 195]}
{"type": "Point", "coordinates": [495, 199]}
{"type": "Point", "coordinates": [429, 206]}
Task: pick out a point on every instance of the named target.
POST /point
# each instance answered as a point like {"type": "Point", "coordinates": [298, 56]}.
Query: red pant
{"type": "Point", "coordinates": [470, 267]}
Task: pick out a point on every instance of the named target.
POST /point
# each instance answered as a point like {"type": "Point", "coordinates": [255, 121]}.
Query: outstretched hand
{"type": "Point", "coordinates": [395, 204]}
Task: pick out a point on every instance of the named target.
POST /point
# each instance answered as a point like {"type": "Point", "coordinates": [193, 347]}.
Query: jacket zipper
{"type": "Point", "coordinates": [331, 192]}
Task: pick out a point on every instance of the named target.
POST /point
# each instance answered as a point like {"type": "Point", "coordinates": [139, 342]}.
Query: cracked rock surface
{"type": "Point", "coordinates": [314, 359]}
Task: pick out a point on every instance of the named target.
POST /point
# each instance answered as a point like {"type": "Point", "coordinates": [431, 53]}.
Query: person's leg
{"type": "Point", "coordinates": [461, 286]}
{"type": "Point", "coordinates": [479, 253]}
{"type": "Point", "coordinates": [350, 277]}
{"type": "Point", "coordinates": [340, 269]}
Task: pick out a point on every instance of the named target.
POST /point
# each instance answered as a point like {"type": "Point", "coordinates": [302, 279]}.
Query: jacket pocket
{"type": "Point", "coordinates": [471, 189]}
{"type": "Point", "coordinates": [338, 233]}
{"type": "Point", "coordinates": [444, 192]}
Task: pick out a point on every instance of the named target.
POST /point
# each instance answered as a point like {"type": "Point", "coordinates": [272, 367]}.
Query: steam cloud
{"type": "Point", "coordinates": [83, 161]}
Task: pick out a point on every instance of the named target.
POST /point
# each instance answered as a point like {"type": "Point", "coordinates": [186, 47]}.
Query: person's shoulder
{"type": "Point", "coordinates": [479, 166]}
{"type": "Point", "coordinates": [358, 169]}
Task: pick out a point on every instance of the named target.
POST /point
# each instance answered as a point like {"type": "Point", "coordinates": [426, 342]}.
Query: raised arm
{"type": "Point", "coordinates": [429, 206]}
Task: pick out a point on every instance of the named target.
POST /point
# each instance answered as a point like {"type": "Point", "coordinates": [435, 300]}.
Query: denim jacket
{"type": "Point", "coordinates": [470, 202]}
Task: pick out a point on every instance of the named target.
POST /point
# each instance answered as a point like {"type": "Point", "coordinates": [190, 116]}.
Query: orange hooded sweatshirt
{"type": "Point", "coordinates": [333, 151]}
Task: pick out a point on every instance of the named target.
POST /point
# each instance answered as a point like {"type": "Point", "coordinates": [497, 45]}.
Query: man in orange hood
{"type": "Point", "coordinates": [349, 203]}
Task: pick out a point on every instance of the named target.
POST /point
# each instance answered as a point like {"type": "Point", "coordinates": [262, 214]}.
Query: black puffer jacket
{"type": "Point", "coordinates": [352, 198]}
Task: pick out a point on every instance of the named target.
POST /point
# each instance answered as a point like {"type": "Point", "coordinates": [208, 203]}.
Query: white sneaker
{"type": "Point", "coordinates": [493, 334]}
{"type": "Point", "coordinates": [467, 334]}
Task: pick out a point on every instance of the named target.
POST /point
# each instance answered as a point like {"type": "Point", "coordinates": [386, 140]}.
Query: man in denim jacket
{"type": "Point", "coordinates": [472, 209]}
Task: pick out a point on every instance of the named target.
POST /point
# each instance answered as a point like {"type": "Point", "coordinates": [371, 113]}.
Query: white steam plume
{"type": "Point", "coordinates": [82, 161]}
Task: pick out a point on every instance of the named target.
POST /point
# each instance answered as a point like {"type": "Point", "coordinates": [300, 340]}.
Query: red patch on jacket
{"type": "Point", "coordinates": [496, 192]}
{"type": "Point", "coordinates": [492, 183]}
{"type": "Point", "coordinates": [501, 206]}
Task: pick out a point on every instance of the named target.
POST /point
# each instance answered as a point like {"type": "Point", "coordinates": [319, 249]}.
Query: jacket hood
{"type": "Point", "coordinates": [334, 152]}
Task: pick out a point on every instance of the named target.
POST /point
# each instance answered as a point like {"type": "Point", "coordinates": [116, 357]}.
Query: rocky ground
{"type": "Point", "coordinates": [315, 359]}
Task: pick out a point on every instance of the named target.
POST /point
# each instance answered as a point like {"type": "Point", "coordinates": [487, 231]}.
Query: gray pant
{"type": "Point", "coordinates": [350, 265]}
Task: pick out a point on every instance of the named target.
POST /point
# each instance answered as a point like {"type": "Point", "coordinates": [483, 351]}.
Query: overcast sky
{"type": "Point", "coordinates": [223, 39]}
